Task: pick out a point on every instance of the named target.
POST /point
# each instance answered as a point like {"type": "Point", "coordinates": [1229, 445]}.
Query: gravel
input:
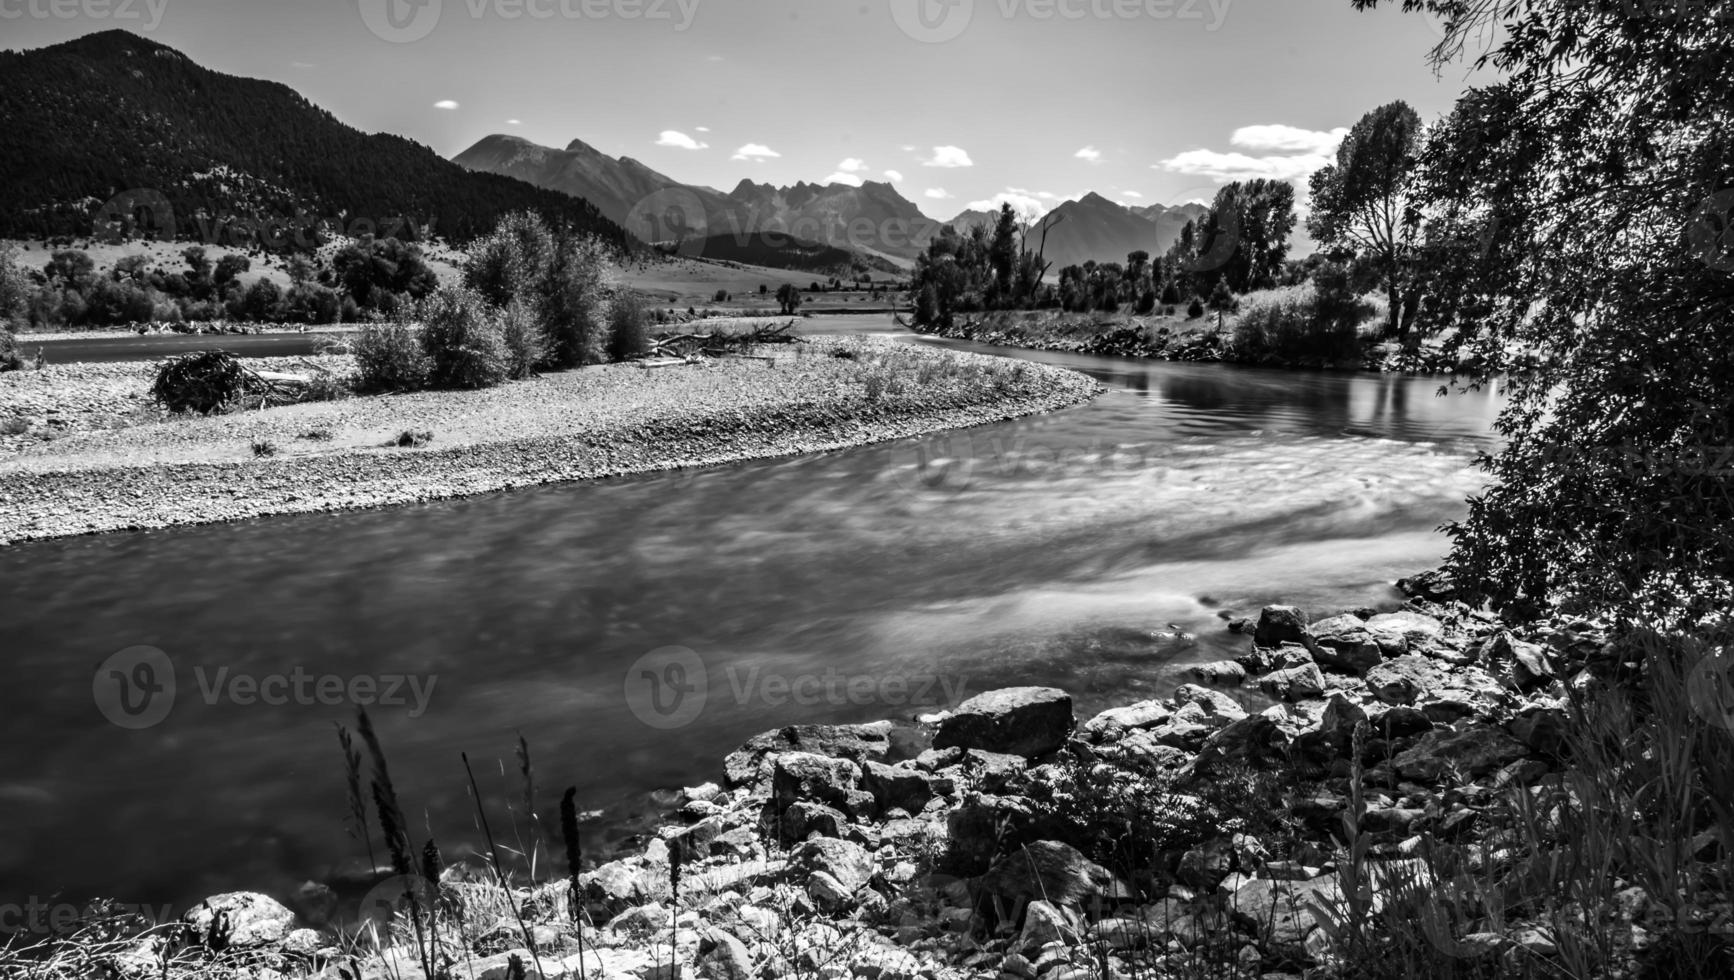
{"type": "Point", "coordinates": [100, 457]}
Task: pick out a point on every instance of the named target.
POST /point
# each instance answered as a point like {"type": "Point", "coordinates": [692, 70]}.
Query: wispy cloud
{"type": "Point", "coordinates": [894, 176]}
{"type": "Point", "coordinates": [755, 151]}
{"type": "Point", "coordinates": [840, 177]}
{"type": "Point", "coordinates": [1132, 194]}
{"type": "Point", "coordinates": [680, 141]}
{"type": "Point", "coordinates": [1089, 154]}
{"type": "Point", "coordinates": [1273, 152]}
{"type": "Point", "coordinates": [703, 129]}
{"type": "Point", "coordinates": [1025, 205]}
{"type": "Point", "coordinates": [949, 157]}
{"type": "Point", "coordinates": [302, 64]}
{"type": "Point", "coordinates": [936, 194]}
{"type": "Point", "coordinates": [446, 104]}
{"type": "Point", "coordinates": [853, 165]}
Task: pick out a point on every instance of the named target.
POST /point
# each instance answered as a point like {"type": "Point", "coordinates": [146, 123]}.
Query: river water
{"type": "Point", "coordinates": [1095, 549]}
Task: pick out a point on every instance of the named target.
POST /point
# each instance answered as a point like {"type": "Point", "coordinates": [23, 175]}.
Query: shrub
{"type": "Point", "coordinates": [1195, 309]}
{"type": "Point", "coordinates": [522, 337]}
{"type": "Point", "coordinates": [628, 333]}
{"type": "Point", "coordinates": [722, 296]}
{"type": "Point", "coordinates": [412, 439]}
{"type": "Point", "coordinates": [514, 261]}
{"type": "Point", "coordinates": [1315, 321]}
{"type": "Point", "coordinates": [264, 447]}
{"type": "Point", "coordinates": [389, 357]}
{"type": "Point", "coordinates": [205, 382]}
{"type": "Point", "coordinates": [573, 322]}
{"type": "Point", "coordinates": [462, 340]}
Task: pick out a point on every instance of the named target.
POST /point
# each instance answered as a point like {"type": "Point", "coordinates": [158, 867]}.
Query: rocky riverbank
{"type": "Point", "coordinates": [1384, 818]}
{"type": "Point", "coordinates": [1159, 340]}
{"type": "Point", "coordinates": [85, 451]}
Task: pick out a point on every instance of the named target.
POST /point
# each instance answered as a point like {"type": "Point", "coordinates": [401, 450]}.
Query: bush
{"type": "Point", "coordinates": [513, 261]}
{"type": "Point", "coordinates": [462, 340]}
{"type": "Point", "coordinates": [1299, 322]}
{"type": "Point", "coordinates": [205, 382]}
{"type": "Point", "coordinates": [389, 357]}
{"type": "Point", "coordinates": [573, 323]}
{"type": "Point", "coordinates": [628, 333]}
{"type": "Point", "coordinates": [1195, 309]}
{"type": "Point", "coordinates": [522, 337]}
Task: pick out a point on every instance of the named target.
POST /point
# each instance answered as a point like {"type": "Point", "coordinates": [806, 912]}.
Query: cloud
{"type": "Point", "coordinates": [1024, 205]}
{"type": "Point", "coordinates": [1090, 154]}
{"type": "Point", "coordinates": [936, 194]}
{"type": "Point", "coordinates": [703, 129]}
{"type": "Point", "coordinates": [680, 141]}
{"type": "Point", "coordinates": [844, 178]}
{"type": "Point", "coordinates": [1225, 167]}
{"type": "Point", "coordinates": [755, 151]}
{"type": "Point", "coordinates": [446, 104]}
{"type": "Point", "coordinates": [853, 165]}
{"type": "Point", "coordinates": [1132, 194]}
{"type": "Point", "coordinates": [514, 122]}
{"type": "Point", "coordinates": [302, 64]}
{"type": "Point", "coordinates": [949, 157]}
{"type": "Point", "coordinates": [894, 176]}
{"type": "Point", "coordinates": [1278, 138]}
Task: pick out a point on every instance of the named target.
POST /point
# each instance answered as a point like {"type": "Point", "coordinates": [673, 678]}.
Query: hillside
{"type": "Point", "coordinates": [114, 114]}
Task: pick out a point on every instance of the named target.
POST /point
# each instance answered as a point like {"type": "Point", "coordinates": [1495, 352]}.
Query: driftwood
{"type": "Point", "coordinates": [718, 343]}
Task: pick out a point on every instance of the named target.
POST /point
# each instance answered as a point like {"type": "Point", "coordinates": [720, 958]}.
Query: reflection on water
{"type": "Point", "coordinates": [1092, 549]}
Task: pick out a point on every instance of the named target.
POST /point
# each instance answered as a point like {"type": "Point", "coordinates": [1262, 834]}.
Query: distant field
{"type": "Point", "coordinates": [443, 260]}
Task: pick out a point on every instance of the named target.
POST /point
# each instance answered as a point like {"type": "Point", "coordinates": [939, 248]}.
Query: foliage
{"type": "Point", "coordinates": [206, 382]}
{"type": "Point", "coordinates": [368, 268]}
{"type": "Point", "coordinates": [462, 340]}
{"type": "Point", "coordinates": [513, 261]}
{"type": "Point", "coordinates": [789, 298]}
{"type": "Point", "coordinates": [628, 327]}
{"type": "Point", "coordinates": [574, 306]}
{"type": "Point", "coordinates": [389, 357]}
{"type": "Point", "coordinates": [1299, 323]}
{"type": "Point", "coordinates": [1582, 200]}
{"type": "Point", "coordinates": [1363, 203]}
{"type": "Point", "coordinates": [522, 337]}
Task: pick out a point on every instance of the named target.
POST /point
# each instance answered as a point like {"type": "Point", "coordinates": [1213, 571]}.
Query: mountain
{"type": "Point", "coordinates": [872, 218]}
{"type": "Point", "coordinates": [1095, 228]}
{"type": "Point", "coordinates": [616, 187]}
{"type": "Point", "coordinates": [179, 150]}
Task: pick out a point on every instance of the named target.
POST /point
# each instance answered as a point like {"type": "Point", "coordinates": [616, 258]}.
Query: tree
{"type": "Point", "coordinates": [1221, 300]}
{"type": "Point", "coordinates": [1584, 201]}
{"type": "Point", "coordinates": [229, 268]}
{"type": "Point", "coordinates": [1003, 254]}
{"type": "Point", "coordinates": [789, 296]}
{"type": "Point", "coordinates": [1364, 202]}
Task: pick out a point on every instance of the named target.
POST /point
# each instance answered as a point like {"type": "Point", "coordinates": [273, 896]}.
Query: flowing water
{"type": "Point", "coordinates": [1094, 549]}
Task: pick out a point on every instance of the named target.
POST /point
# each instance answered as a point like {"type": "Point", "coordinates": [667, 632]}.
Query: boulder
{"type": "Point", "coordinates": [1222, 673]}
{"type": "Point", "coordinates": [1050, 871]}
{"type": "Point", "coordinates": [1413, 627]}
{"type": "Point", "coordinates": [804, 777]}
{"type": "Point", "coordinates": [895, 787]}
{"type": "Point", "coordinates": [750, 763]}
{"type": "Point", "coordinates": [1281, 913]}
{"type": "Point", "coordinates": [1405, 680]}
{"type": "Point", "coordinates": [1213, 707]}
{"type": "Point", "coordinates": [1433, 586]}
{"type": "Point", "coordinates": [1278, 625]}
{"type": "Point", "coordinates": [849, 864]}
{"type": "Point", "coordinates": [1252, 741]}
{"type": "Point", "coordinates": [1263, 660]}
{"type": "Point", "coordinates": [1026, 721]}
{"type": "Point", "coordinates": [241, 919]}
{"type": "Point", "coordinates": [1045, 922]}
{"type": "Point", "coordinates": [1294, 684]}
{"type": "Point", "coordinates": [1475, 751]}
{"type": "Point", "coordinates": [722, 955]}
{"type": "Point", "coordinates": [1346, 644]}
{"type": "Point", "coordinates": [1114, 722]}
{"type": "Point", "coordinates": [803, 819]}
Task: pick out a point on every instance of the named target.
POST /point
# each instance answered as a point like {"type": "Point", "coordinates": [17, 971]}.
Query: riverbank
{"type": "Point", "coordinates": [1420, 801]}
{"type": "Point", "coordinates": [68, 469]}
{"type": "Point", "coordinates": [1169, 338]}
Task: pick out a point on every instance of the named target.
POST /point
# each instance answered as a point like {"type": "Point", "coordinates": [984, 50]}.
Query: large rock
{"type": "Point", "coordinates": [1052, 872]}
{"type": "Point", "coordinates": [1252, 741]}
{"type": "Point", "coordinates": [1346, 644]}
{"type": "Point", "coordinates": [1278, 625]}
{"type": "Point", "coordinates": [895, 787]}
{"type": "Point", "coordinates": [1405, 680]}
{"type": "Point", "coordinates": [751, 764]}
{"type": "Point", "coordinates": [1473, 752]}
{"type": "Point", "coordinates": [1115, 722]}
{"type": "Point", "coordinates": [1294, 684]}
{"type": "Point", "coordinates": [1213, 707]}
{"type": "Point", "coordinates": [804, 777]}
{"type": "Point", "coordinates": [1433, 586]}
{"type": "Point", "coordinates": [1026, 721]}
{"type": "Point", "coordinates": [241, 919]}
{"type": "Point", "coordinates": [849, 864]}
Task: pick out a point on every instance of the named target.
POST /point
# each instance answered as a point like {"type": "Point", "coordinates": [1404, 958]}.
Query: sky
{"type": "Point", "coordinates": [958, 103]}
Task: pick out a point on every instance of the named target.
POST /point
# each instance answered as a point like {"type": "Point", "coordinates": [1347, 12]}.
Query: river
{"type": "Point", "coordinates": [1095, 549]}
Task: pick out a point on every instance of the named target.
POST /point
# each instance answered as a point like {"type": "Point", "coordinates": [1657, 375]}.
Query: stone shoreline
{"type": "Point", "coordinates": [589, 424]}
{"type": "Point", "coordinates": [849, 851]}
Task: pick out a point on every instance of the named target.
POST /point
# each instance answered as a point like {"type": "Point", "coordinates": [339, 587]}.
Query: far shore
{"type": "Point", "coordinates": [99, 458]}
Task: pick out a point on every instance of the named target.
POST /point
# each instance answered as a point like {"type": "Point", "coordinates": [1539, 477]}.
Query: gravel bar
{"type": "Point", "coordinates": [105, 460]}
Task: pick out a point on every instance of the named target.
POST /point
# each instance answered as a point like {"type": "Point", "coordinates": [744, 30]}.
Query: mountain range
{"type": "Point", "coordinates": [1094, 227]}
{"type": "Point", "coordinates": [112, 117]}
